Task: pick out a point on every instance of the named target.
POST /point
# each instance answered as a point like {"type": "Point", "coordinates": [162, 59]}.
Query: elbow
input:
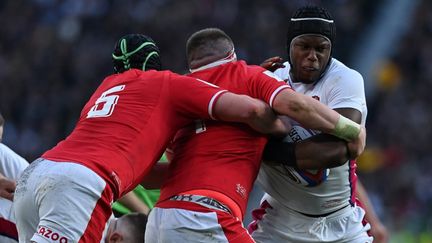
{"type": "Point", "coordinates": [255, 110]}
{"type": "Point", "coordinates": [292, 105]}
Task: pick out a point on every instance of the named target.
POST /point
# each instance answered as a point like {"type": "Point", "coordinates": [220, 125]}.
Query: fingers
{"type": "Point", "coordinates": [273, 63]}
{"type": "Point", "coordinates": [7, 188]}
{"type": "Point", "coordinates": [353, 149]}
{"type": "Point", "coordinates": [274, 59]}
{"type": "Point", "coordinates": [7, 195]}
{"type": "Point", "coordinates": [356, 147]}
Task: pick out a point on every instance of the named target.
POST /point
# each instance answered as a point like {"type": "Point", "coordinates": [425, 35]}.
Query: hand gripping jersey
{"type": "Point", "coordinates": [219, 156]}
{"type": "Point", "coordinates": [128, 121]}
{"type": "Point", "coordinates": [340, 87]}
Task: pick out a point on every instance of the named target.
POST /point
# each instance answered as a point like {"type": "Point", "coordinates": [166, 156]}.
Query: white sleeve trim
{"type": "Point", "coordinates": [272, 97]}
{"type": "Point", "coordinates": [212, 101]}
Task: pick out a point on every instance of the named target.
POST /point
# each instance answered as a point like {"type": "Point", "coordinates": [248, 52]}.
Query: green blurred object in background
{"type": "Point", "coordinates": [149, 197]}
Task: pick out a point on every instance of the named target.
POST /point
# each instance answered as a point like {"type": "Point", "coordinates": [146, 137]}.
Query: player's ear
{"type": "Point", "coordinates": [115, 237]}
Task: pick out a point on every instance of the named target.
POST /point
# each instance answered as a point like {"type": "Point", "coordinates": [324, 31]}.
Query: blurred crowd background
{"type": "Point", "coordinates": [54, 53]}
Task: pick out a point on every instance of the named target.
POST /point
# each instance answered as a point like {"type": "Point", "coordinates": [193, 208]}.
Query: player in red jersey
{"type": "Point", "coordinates": [66, 195]}
{"type": "Point", "coordinates": [214, 163]}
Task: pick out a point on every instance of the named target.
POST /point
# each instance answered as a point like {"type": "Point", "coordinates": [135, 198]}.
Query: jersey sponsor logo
{"type": "Point", "coordinates": [51, 234]}
{"type": "Point", "coordinates": [294, 135]}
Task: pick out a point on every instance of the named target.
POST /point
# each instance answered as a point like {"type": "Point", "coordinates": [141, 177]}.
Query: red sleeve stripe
{"type": "Point", "coordinates": [213, 101]}
{"type": "Point", "coordinates": [8, 229]}
{"type": "Point", "coordinates": [276, 92]}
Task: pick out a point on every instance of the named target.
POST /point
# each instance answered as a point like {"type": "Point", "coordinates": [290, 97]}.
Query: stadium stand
{"type": "Point", "coordinates": [53, 54]}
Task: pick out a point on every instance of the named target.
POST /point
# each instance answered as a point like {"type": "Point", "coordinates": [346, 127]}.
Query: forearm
{"type": "Point", "coordinates": [265, 121]}
{"type": "Point", "coordinates": [321, 151]}
{"type": "Point", "coordinates": [361, 194]}
{"type": "Point", "coordinates": [315, 115]}
{"type": "Point", "coordinates": [131, 201]}
{"type": "Point", "coordinates": [256, 113]}
{"type": "Point", "coordinates": [378, 230]}
{"type": "Point", "coordinates": [317, 152]}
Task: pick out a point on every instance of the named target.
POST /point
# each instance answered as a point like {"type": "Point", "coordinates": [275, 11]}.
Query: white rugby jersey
{"type": "Point", "coordinates": [11, 166]}
{"type": "Point", "coordinates": [340, 87]}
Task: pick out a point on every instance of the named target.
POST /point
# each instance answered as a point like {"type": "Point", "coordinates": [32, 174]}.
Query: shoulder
{"type": "Point", "coordinates": [170, 78]}
{"type": "Point", "coordinates": [243, 68]}
{"type": "Point", "coordinates": [245, 65]}
{"type": "Point", "coordinates": [339, 69]}
{"type": "Point", "coordinates": [5, 150]}
{"type": "Point", "coordinates": [256, 71]}
{"type": "Point", "coordinates": [339, 75]}
{"type": "Point", "coordinates": [283, 73]}
{"type": "Point", "coordinates": [7, 154]}
{"type": "Point", "coordinates": [11, 164]}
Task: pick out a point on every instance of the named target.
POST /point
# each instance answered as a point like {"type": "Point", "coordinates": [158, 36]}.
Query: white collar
{"type": "Point", "coordinates": [230, 58]}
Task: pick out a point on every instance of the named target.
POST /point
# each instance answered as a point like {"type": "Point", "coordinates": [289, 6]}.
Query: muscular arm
{"type": "Point", "coordinates": [254, 112]}
{"type": "Point", "coordinates": [315, 115]}
{"type": "Point", "coordinates": [317, 152]}
{"type": "Point", "coordinates": [131, 201]}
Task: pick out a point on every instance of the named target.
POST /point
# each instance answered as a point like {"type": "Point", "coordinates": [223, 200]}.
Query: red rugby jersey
{"type": "Point", "coordinates": [220, 156]}
{"type": "Point", "coordinates": [128, 121]}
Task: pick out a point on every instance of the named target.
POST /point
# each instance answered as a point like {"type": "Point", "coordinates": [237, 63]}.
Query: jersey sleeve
{"type": "Point", "coordinates": [265, 85]}
{"type": "Point", "coordinates": [283, 73]}
{"type": "Point", "coordinates": [347, 91]}
{"type": "Point", "coordinates": [11, 164]}
{"type": "Point", "coordinates": [195, 97]}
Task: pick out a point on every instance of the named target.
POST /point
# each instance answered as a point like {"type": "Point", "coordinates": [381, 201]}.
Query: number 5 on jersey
{"type": "Point", "coordinates": [108, 100]}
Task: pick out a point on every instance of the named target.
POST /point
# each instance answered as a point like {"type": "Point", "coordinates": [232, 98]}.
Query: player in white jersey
{"type": "Point", "coordinates": [313, 205]}
{"type": "Point", "coordinates": [11, 167]}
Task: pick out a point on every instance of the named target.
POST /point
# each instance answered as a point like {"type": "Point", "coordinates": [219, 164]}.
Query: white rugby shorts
{"type": "Point", "coordinates": [194, 224]}
{"type": "Point", "coordinates": [61, 202]}
{"type": "Point", "coordinates": [275, 223]}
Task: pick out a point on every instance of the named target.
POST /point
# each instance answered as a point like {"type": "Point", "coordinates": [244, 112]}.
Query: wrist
{"type": "Point", "coordinates": [346, 129]}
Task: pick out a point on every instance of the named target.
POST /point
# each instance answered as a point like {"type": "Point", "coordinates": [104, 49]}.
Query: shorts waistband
{"type": "Point", "coordinates": [204, 201]}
